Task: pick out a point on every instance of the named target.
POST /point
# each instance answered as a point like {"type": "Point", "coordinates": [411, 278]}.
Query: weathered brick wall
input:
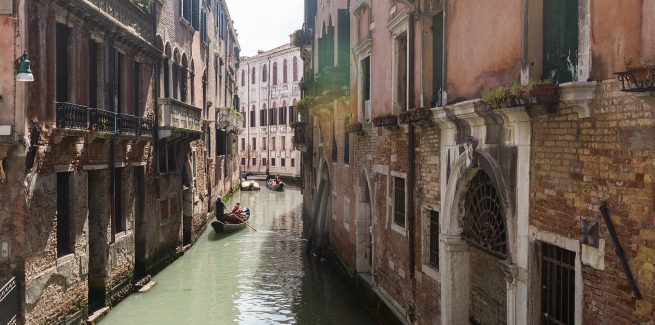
{"type": "Point", "coordinates": [577, 164]}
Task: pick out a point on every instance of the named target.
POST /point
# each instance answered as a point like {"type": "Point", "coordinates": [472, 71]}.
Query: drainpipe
{"type": "Point", "coordinates": [411, 42]}
{"type": "Point", "coordinates": [156, 92]}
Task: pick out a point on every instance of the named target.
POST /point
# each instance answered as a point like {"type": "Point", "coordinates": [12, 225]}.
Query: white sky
{"type": "Point", "coordinates": [265, 24]}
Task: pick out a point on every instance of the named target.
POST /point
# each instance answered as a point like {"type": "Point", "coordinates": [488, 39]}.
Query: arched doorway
{"type": "Point", "coordinates": [484, 229]}
{"type": "Point", "coordinates": [364, 227]}
{"type": "Point", "coordinates": [476, 246]}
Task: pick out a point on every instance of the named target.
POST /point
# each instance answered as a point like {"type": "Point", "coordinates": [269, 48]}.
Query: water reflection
{"type": "Point", "coordinates": [250, 277]}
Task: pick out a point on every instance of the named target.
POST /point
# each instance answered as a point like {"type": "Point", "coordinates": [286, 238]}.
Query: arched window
{"type": "Point", "coordinates": [295, 68]}
{"type": "Point", "coordinates": [252, 78]}
{"type": "Point", "coordinates": [243, 78]}
{"type": "Point", "coordinates": [284, 71]}
{"type": "Point", "coordinates": [282, 113]}
{"type": "Point", "coordinates": [262, 116]}
{"type": "Point", "coordinates": [264, 73]}
{"type": "Point", "coordinates": [275, 73]}
{"type": "Point", "coordinates": [252, 116]}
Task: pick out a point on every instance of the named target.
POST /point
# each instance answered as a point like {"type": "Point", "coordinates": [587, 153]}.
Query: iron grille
{"type": "Point", "coordinates": [557, 285]}
{"type": "Point", "coordinates": [101, 120]}
{"type": "Point", "coordinates": [71, 116]}
{"type": "Point", "coordinates": [146, 126]}
{"type": "Point", "coordinates": [434, 238]}
{"type": "Point", "coordinates": [9, 303]}
{"type": "Point", "coordinates": [128, 124]}
{"type": "Point", "coordinates": [399, 201]}
{"type": "Point", "coordinates": [484, 222]}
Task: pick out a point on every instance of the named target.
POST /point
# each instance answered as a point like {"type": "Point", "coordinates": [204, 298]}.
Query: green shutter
{"type": "Point", "coordinates": [560, 40]}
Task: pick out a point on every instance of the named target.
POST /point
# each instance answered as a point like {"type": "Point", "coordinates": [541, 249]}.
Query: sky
{"type": "Point", "coordinates": [265, 24]}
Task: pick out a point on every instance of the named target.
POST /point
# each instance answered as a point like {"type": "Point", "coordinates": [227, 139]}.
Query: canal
{"type": "Point", "coordinates": [257, 276]}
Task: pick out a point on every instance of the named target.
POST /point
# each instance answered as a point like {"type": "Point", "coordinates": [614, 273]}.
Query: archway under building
{"type": "Point", "coordinates": [364, 227]}
{"type": "Point", "coordinates": [321, 210]}
{"type": "Point", "coordinates": [477, 269]}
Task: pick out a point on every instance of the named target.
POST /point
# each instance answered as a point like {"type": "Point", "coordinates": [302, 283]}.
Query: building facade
{"type": "Point", "coordinates": [269, 90]}
{"type": "Point", "coordinates": [485, 165]}
{"type": "Point", "coordinates": [104, 169]}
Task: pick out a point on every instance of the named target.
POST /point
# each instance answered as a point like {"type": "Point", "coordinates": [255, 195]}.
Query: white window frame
{"type": "Point", "coordinates": [362, 52]}
{"type": "Point", "coordinates": [398, 26]}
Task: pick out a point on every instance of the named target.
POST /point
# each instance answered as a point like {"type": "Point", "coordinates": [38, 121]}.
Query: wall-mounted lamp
{"type": "Point", "coordinates": [23, 69]}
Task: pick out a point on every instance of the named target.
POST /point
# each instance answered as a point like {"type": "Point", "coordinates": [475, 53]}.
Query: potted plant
{"type": "Point", "coordinates": [387, 121]}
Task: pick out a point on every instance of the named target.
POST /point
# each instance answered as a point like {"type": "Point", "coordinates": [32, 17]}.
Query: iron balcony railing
{"type": "Point", "coordinates": [9, 303]}
{"type": "Point", "coordinates": [78, 117]}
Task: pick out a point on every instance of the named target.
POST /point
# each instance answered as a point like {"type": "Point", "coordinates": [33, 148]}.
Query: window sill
{"type": "Point", "coordinates": [431, 271]}
{"type": "Point", "coordinates": [64, 259]}
{"type": "Point", "coordinates": [187, 24]}
{"type": "Point", "coordinates": [399, 229]}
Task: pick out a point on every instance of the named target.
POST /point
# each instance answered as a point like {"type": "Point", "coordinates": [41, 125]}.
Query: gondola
{"type": "Point", "coordinates": [273, 186]}
{"type": "Point", "coordinates": [222, 226]}
{"type": "Point", "coordinates": [250, 186]}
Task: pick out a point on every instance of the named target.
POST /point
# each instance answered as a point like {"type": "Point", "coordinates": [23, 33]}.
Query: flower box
{"type": "Point", "coordinates": [543, 93]}
{"type": "Point", "coordinates": [354, 127]}
{"type": "Point", "coordinates": [638, 79]}
{"type": "Point", "coordinates": [386, 121]}
{"type": "Point", "coordinates": [415, 115]}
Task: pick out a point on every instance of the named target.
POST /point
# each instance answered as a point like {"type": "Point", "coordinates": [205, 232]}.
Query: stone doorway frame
{"type": "Point", "coordinates": [364, 225]}
{"type": "Point", "coordinates": [454, 250]}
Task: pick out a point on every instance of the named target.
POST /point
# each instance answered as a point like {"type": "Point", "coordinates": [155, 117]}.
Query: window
{"type": "Point", "coordinates": [399, 201]}
{"type": "Point", "coordinates": [94, 63]}
{"type": "Point", "coordinates": [252, 78]}
{"type": "Point", "coordinates": [254, 143]}
{"type": "Point", "coordinates": [119, 214]}
{"type": "Point", "coordinates": [295, 68]}
{"type": "Point", "coordinates": [437, 59]}
{"type": "Point", "coordinates": [275, 73]}
{"type": "Point", "coordinates": [166, 157]}
{"type": "Point", "coordinates": [292, 114]}
{"type": "Point", "coordinates": [167, 72]}
{"type": "Point", "coordinates": [243, 161]}
{"type": "Point", "coordinates": [366, 88]}
{"type": "Point", "coordinates": [264, 74]}
{"type": "Point", "coordinates": [272, 143]}
{"type": "Point", "coordinates": [252, 117]}
{"type": "Point", "coordinates": [282, 114]}
{"type": "Point", "coordinates": [264, 161]}
{"type": "Point", "coordinates": [243, 144]}
{"type": "Point", "coordinates": [62, 67]}
{"type": "Point", "coordinates": [190, 11]}
{"type": "Point", "coordinates": [284, 71]}
{"type": "Point", "coordinates": [264, 143]}
{"type": "Point", "coordinates": [221, 143]}
{"type": "Point", "coordinates": [243, 78]}
{"type": "Point", "coordinates": [183, 78]}
{"type": "Point", "coordinates": [282, 162]}
{"type": "Point", "coordinates": [401, 67]}
{"type": "Point", "coordinates": [119, 73]}
{"type": "Point", "coordinates": [434, 238]}
{"type": "Point", "coordinates": [560, 44]}
{"type": "Point", "coordinates": [284, 143]}
{"type": "Point", "coordinates": [204, 35]}
{"type": "Point", "coordinates": [557, 285]}
{"type": "Point", "coordinates": [254, 161]}
{"type": "Point", "coordinates": [272, 115]}
{"type": "Point", "coordinates": [262, 116]}
{"type": "Point", "coordinates": [273, 162]}
{"type": "Point", "coordinates": [293, 162]}
{"type": "Point", "coordinates": [64, 245]}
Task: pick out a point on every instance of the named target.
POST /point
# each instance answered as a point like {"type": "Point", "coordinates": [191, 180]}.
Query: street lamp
{"type": "Point", "coordinates": [23, 68]}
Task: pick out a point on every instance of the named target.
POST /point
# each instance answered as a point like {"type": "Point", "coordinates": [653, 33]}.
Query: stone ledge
{"type": "Point", "coordinates": [578, 95]}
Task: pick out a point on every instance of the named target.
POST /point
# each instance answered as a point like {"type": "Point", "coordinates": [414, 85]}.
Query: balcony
{"type": "Point", "coordinates": [79, 120]}
{"type": "Point", "coordinates": [179, 117]}
{"type": "Point", "coordinates": [129, 18]}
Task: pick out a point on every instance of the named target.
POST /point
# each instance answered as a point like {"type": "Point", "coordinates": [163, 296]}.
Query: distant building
{"type": "Point", "coordinates": [269, 87]}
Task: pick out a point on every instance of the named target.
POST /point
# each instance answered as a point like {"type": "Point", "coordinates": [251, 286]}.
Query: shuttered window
{"type": "Point", "coordinates": [560, 40]}
{"type": "Point", "coordinates": [399, 201]}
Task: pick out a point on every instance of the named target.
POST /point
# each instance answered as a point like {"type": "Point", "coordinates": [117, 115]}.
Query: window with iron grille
{"type": "Point", "coordinates": [64, 246]}
{"type": "Point", "coordinates": [557, 266]}
{"type": "Point", "coordinates": [273, 162]}
{"type": "Point", "coordinates": [399, 201]}
{"type": "Point", "coordinates": [282, 162]}
{"type": "Point", "coordinates": [263, 161]}
{"type": "Point", "coordinates": [434, 238]}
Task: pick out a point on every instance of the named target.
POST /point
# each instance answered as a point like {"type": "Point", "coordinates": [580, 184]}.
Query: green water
{"type": "Point", "coordinates": [249, 277]}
